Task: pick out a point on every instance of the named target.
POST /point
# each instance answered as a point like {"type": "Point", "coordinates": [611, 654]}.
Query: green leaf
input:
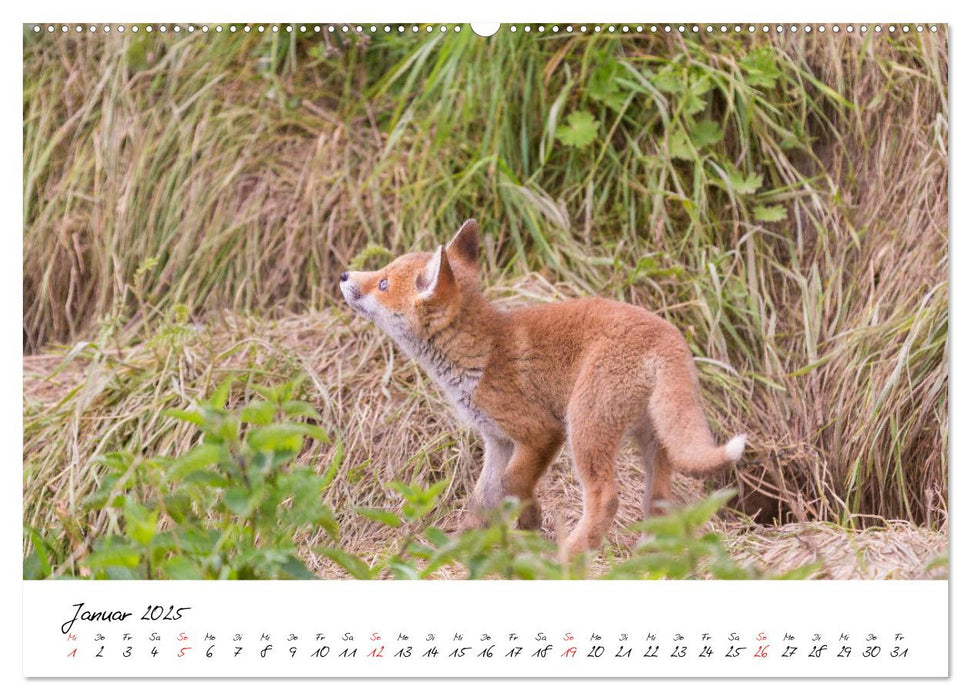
{"type": "Point", "coordinates": [418, 501]}
{"type": "Point", "coordinates": [113, 551]}
{"type": "Point", "coordinates": [380, 515]}
{"type": "Point", "coordinates": [668, 81]}
{"type": "Point", "coordinates": [436, 536]}
{"type": "Point", "coordinates": [351, 563]}
{"type": "Point", "coordinates": [693, 104]}
{"type": "Point", "coordinates": [221, 393]}
{"type": "Point", "coordinates": [116, 463]}
{"type": "Point", "coordinates": [603, 86]}
{"type": "Point", "coordinates": [36, 566]}
{"type": "Point", "coordinates": [327, 520]}
{"type": "Point", "coordinates": [39, 560]}
{"type": "Point", "coordinates": [140, 522]}
{"type": "Point", "coordinates": [285, 437]}
{"type": "Point", "coordinates": [403, 571]}
{"type": "Point", "coordinates": [760, 68]}
{"type": "Point", "coordinates": [705, 133]}
{"type": "Point", "coordinates": [679, 147]}
{"type": "Point", "coordinates": [700, 513]}
{"type": "Point", "coordinates": [404, 489]}
{"type": "Point", "coordinates": [237, 499]}
{"type": "Point", "coordinates": [279, 437]}
{"type": "Point", "coordinates": [205, 477]}
{"type": "Point", "coordinates": [294, 568]}
{"type": "Point", "coordinates": [197, 459]}
{"type": "Point", "coordinates": [335, 463]}
{"type": "Point", "coordinates": [773, 213]}
{"type": "Point", "coordinates": [180, 567]}
{"type": "Point", "coordinates": [579, 131]}
{"type": "Point", "coordinates": [258, 413]}
{"type": "Point", "coordinates": [744, 184]}
{"type": "Point", "coordinates": [300, 408]}
{"type": "Point", "coordinates": [136, 55]}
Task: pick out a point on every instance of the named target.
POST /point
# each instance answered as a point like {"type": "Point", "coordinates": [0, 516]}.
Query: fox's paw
{"type": "Point", "coordinates": [469, 521]}
{"type": "Point", "coordinates": [578, 542]}
{"type": "Point", "coordinates": [531, 517]}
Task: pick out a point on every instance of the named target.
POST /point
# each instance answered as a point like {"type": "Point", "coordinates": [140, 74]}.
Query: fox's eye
{"type": "Point", "coordinates": [383, 285]}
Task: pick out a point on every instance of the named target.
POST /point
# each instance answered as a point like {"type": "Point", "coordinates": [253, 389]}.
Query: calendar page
{"type": "Point", "coordinates": [372, 349]}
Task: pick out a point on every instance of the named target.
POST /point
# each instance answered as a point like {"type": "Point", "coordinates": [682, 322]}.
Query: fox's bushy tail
{"type": "Point", "coordinates": [679, 421]}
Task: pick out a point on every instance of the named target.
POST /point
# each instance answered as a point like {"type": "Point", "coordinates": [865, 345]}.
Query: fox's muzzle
{"type": "Point", "coordinates": [350, 289]}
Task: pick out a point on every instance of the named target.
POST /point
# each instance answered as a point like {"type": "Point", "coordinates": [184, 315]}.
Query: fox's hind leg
{"type": "Point", "coordinates": [597, 424]}
{"type": "Point", "coordinates": [595, 446]}
{"type": "Point", "coordinates": [608, 398]}
{"type": "Point", "coordinates": [657, 468]}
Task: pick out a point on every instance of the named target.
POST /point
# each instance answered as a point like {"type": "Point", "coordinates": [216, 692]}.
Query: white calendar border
{"type": "Point", "coordinates": [577, 629]}
{"type": "Point", "coordinates": [510, 10]}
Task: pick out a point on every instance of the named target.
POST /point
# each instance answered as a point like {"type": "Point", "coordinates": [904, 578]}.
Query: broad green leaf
{"type": "Point", "coordinates": [294, 568]}
{"type": "Point", "coordinates": [237, 499]}
{"type": "Point", "coordinates": [187, 416]}
{"type": "Point", "coordinates": [380, 515]}
{"type": "Point", "coordinates": [258, 413]}
{"type": "Point", "coordinates": [178, 506]}
{"type": "Point", "coordinates": [197, 459]}
{"type": "Point", "coordinates": [436, 536]}
{"type": "Point", "coordinates": [351, 563]}
{"type": "Point", "coordinates": [279, 437]}
{"type": "Point", "coordinates": [140, 522]}
{"type": "Point", "coordinates": [403, 571]}
{"type": "Point", "coordinates": [679, 147]}
{"type": "Point", "coordinates": [295, 408]}
{"type": "Point", "coordinates": [220, 394]}
{"type": "Point", "coordinates": [760, 68]}
{"type": "Point", "coordinates": [183, 568]}
{"type": "Point", "coordinates": [744, 184]}
{"type": "Point", "coordinates": [112, 551]}
{"type": "Point", "coordinates": [693, 104]}
{"type": "Point", "coordinates": [580, 130]}
{"type": "Point", "coordinates": [39, 558]}
{"type": "Point", "coordinates": [773, 213]}
{"type": "Point", "coordinates": [668, 81]}
{"type": "Point", "coordinates": [705, 133]}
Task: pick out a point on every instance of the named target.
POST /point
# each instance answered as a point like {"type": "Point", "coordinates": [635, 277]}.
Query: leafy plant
{"type": "Point", "coordinates": [234, 505]}
{"type": "Point", "coordinates": [231, 507]}
{"type": "Point", "coordinates": [674, 547]}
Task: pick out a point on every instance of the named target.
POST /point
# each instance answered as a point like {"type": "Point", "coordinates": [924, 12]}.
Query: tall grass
{"type": "Point", "coordinates": [781, 199]}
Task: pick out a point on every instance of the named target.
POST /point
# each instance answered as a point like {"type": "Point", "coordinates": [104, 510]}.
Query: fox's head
{"type": "Point", "coordinates": [417, 294]}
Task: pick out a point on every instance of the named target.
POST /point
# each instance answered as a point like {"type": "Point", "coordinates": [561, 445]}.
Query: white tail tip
{"type": "Point", "coordinates": [735, 447]}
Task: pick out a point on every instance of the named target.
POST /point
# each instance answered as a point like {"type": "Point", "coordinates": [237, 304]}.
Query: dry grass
{"type": "Point", "coordinates": [391, 425]}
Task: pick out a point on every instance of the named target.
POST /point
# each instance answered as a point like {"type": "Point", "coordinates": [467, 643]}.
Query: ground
{"type": "Point", "coordinates": [390, 424]}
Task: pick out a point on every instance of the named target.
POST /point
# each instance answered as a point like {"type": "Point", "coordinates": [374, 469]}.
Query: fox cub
{"type": "Point", "coordinates": [589, 371]}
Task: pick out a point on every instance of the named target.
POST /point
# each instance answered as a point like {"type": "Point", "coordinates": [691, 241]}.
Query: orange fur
{"type": "Point", "coordinates": [587, 371]}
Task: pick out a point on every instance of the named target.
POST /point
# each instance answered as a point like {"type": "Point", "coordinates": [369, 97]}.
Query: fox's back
{"type": "Point", "coordinates": [565, 333]}
{"type": "Point", "coordinates": [540, 350]}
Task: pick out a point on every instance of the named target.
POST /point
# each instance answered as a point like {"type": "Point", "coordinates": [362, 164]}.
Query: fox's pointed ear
{"type": "Point", "coordinates": [437, 278]}
{"type": "Point", "coordinates": [464, 245]}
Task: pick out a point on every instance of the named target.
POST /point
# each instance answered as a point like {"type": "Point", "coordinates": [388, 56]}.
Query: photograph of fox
{"type": "Point", "coordinates": [201, 401]}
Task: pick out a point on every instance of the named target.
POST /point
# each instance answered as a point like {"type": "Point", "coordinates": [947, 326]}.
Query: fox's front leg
{"type": "Point", "coordinates": [488, 493]}
{"type": "Point", "coordinates": [527, 465]}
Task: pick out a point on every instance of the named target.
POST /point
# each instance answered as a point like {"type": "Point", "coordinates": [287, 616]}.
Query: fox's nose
{"type": "Point", "coordinates": [344, 276]}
